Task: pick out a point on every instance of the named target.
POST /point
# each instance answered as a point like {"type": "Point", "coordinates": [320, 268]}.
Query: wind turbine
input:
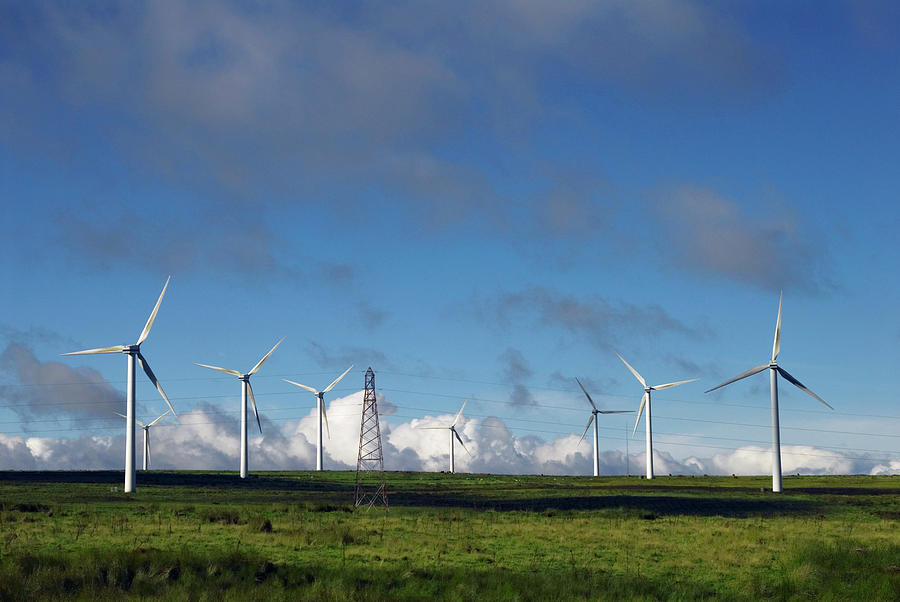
{"type": "Point", "coordinates": [453, 433]}
{"type": "Point", "coordinates": [774, 371]}
{"type": "Point", "coordinates": [320, 403]}
{"type": "Point", "coordinates": [246, 391]}
{"type": "Point", "coordinates": [146, 428]}
{"type": "Point", "coordinates": [134, 351]}
{"type": "Point", "coordinates": [645, 401]}
{"type": "Point", "coordinates": [593, 419]}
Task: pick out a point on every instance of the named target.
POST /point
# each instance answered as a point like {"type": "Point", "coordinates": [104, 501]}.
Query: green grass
{"type": "Point", "coordinates": [192, 535]}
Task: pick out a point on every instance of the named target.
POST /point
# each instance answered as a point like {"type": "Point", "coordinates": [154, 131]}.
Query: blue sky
{"type": "Point", "coordinates": [479, 201]}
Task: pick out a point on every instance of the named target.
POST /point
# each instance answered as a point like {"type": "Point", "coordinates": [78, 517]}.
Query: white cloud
{"type": "Point", "coordinates": [205, 438]}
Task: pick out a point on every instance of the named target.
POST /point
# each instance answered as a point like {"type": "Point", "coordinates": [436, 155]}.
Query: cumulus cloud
{"type": "Point", "coordinates": [709, 234]}
{"type": "Point", "coordinates": [206, 438]}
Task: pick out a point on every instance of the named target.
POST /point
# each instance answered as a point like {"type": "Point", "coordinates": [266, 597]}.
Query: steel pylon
{"type": "Point", "coordinates": [370, 489]}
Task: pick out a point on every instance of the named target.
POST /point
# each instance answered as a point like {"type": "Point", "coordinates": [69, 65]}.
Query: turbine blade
{"type": "Point", "coordinates": [640, 412]}
{"type": "Point", "coordinates": [337, 380]}
{"type": "Point", "coordinates": [146, 366]}
{"type": "Point", "coordinates": [776, 346]}
{"type": "Point", "coordinates": [458, 414]}
{"type": "Point", "coordinates": [668, 385]}
{"type": "Point", "coordinates": [225, 370]}
{"type": "Point", "coordinates": [749, 372]}
{"type": "Point", "coordinates": [458, 438]}
{"type": "Point", "coordinates": [633, 371]}
{"type": "Point", "coordinates": [253, 403]}
{"type": "Point", "coordinates": [799, 385]}
{"type": "Point", "coordinates": [325, 416]}
{"type": "Point", "coordinates": [616, 411]}
{"type": "Point", "coordinates": [593, 405]}
{"type": "Point", "coordinates": [152, 317]}
{"type": "Point", "coordinates": [126, 418]}
{"type": "Point", "coordinates": [265, 357]}
{"type": "Point", "coordinates": [584, 434]}
{"type": "Point", "coordinates": [160, 418]}
{"type": "Point", "coordinates": [310, 389]}
{"type": "Point", "coordinates": [113, 349]}
{"type": "Point", "coordinates": [432, 428]}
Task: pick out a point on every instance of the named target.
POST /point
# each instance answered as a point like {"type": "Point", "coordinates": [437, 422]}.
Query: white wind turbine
{"type": "Point", "coordinates": [146, 429]}
{"type": "Point", "coordinates": [246, 391]}
{"type": "Point", "coordinates": [134, 351]}
{"type": "Point", "coordinates": [453, 433]}
{"type": "Point", "coordinates": [645, 401]}
{"type": "Point", "coordinates": [774, 371]}
{"type": "Point", "coordinates": [593, 419]}
{"type": "Point", "coordinates": [320, 403]}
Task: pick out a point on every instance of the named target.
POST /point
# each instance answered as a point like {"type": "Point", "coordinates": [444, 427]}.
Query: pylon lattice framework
{"type": "Point", "coordinates": [370, 488]}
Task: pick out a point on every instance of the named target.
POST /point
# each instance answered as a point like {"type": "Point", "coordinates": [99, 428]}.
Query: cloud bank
{"type": "Point", "coordinates": [207, 439]}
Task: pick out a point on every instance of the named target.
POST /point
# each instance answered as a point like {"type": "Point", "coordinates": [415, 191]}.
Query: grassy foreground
{"type": "Point", "coordinates": [198, 536]}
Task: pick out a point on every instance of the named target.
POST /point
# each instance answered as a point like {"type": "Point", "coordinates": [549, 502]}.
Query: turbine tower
{"type": "Point", "coordinates": [593, 419]}
{"type": "Point", "coordinates": [146, 429]}
{"type": "Point", "coordinates": [320, 403]}
{"type": "Point", "coordinates": [246, 391]}
{"type": "Point", "coordinates": [774, 371]}
{"type": "Point", "coordinates": [645, 401]}
{"type": "Point", "coordinates": [134, 351]}
{"type": "Point", "coordinates": [453, 433]}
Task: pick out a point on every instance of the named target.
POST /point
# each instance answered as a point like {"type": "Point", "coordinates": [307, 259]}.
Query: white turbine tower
{"type": "Point", "coordinates": [134, 351]}
{"type": "Point", "coordinates": [774, 371]}
{"type": "Point", "coordinates": [246, 391]}
{"type": "Point", "coordinates": [645, 402]}
{"type": "Point", "coordinates": [320, 403]}
{"type": "Point", "coordinates": [453, 433]}
{"type": "Point", "coordinates": [593, 419]}
{"type": "Point", "coordinates": [146, 429]}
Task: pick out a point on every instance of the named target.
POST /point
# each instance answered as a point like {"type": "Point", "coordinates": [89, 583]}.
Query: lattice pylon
{"type": "Point", "coordinates": [370, 489]}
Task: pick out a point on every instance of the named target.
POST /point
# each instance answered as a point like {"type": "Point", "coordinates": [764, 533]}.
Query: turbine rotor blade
{"type": "Point", "coordinates": [126, 418]}
{"type": "Point", "coordinates": [253, 403]}
{"type": "Point", "coordinates": [160, 418]}
{"type": "Point", "coordinates": [432, 428]}
{"type": "Point", "coordinates": [616, 411]}
{"type": "Point", "coordinates": [337, 380]}
{"type": "Point", "coordinates": [146, 366]}
{"type": "Point", "coordinates": [749, 372]}
{"type": "Point", "coordinates": [325, 416]}
{"type": "Point", "coordinates": [310, 389]}
{"type": "Point", "coordinates": [776, 346]}
{"type": "Point", "coordinates": [458, 438]}
{"type": "Point", "coordinates": [584, 434]}
{"type": "Point", "coordinates": [225, 370]}
{"type": "Point", "coordinates": [799, 385]}
{"type": "Point", "coordinates": [152, 317]}
{"type": "Point", "coordinates": [593, 405]}
{"type": "Point", "coordinates": [113, 349]}
{"type": "Point", "coordinates": [633, 371]}
{"type": "Point", "coordinates": [640, 412]}
{"type": "Point", "coordinates": [458, 414]}
{"type": "Point", "coordinates": [668, 385]}
{"type": "Point", "coordinates": [265, 357]}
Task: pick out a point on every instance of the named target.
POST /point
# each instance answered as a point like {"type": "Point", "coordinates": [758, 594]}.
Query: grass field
{"type": "Point", "coordinates": [294, 535]}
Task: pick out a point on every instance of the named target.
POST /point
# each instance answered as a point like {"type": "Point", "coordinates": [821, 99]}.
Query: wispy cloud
{"type": "Point", "coordinates": [517, 373]}
{"type": "Point", "coordinates": [773, 249]}
{"type": "Point", "coordinates": [54, 389]}
{"type": "Point", "coordinates": [602, 322]}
